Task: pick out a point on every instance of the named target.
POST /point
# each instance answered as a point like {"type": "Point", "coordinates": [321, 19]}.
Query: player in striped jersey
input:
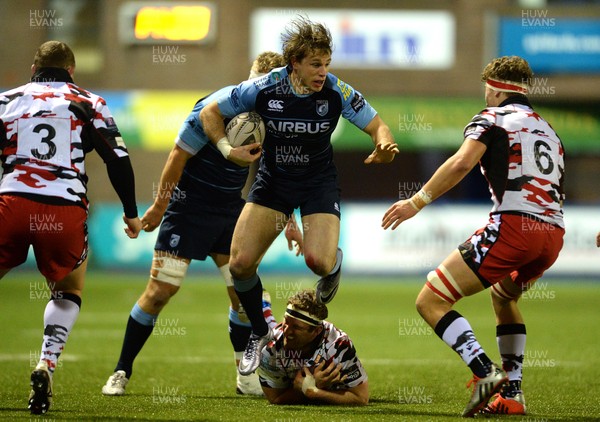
{"type": "Point", "coordinates": [522, 159]}
{"type": "Point", "coordinates": [300, 105]}
{"type": "Point", "coordinates": [310, 360]}
{"type": "Point", "coordinates": [46, 128]}
{"type": "Point", "coordinates": [200, 196]}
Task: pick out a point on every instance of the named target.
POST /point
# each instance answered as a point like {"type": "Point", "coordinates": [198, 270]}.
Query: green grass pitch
{"type": "Point", "coordinates": [186, 370]}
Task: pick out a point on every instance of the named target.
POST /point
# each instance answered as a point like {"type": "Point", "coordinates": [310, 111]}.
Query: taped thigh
{"type": "Point", "coordinates": [444, 285]}
{"type": "Point", "coordinates": [510, 288]}
{"type": "Point", "coordinates": [167, 269]}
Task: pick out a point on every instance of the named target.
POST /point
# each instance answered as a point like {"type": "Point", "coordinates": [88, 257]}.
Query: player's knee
{"type": "Point", "coordinates": [422, 304]}
{"type": "Point", "coordinates": [157, 295]}
{"type": "Point", "coordinates": [318, 264]}
{"type": "Point", "coordinates": [443, 287]}
{"type": "Point", "coordinates": [236, 269]}
{"type": "Point", "coordinates": [166, 276]}
{"type": "Point", "coordinates": [242, 267]}
{"type": "Point", "coordinates": [440, 290]}
{"type": "Point", "coordinates": [502, 296]}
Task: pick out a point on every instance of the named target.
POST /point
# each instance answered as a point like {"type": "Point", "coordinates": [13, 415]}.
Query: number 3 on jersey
{"type": "Point", "coordinates": [45, 139]}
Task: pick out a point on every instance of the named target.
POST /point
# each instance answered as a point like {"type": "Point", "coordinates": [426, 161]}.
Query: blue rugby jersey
{"type": "Point", "coordinates": [207, 176]}
{"type": "Point", "coordinates": [299, 127]}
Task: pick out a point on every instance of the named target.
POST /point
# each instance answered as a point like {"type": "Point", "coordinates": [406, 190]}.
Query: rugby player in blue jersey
{"type": "Point", "coordinates": [300, 105]}
{"type": "Point", "coordinates": [200, 196]}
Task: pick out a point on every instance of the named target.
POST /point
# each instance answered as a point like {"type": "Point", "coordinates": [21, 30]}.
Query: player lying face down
{"type": "Point", "coordinates": [310, 360]}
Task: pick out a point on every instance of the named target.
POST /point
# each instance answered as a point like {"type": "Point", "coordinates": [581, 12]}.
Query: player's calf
{"type": "Point", "coordinates": [328, 286]}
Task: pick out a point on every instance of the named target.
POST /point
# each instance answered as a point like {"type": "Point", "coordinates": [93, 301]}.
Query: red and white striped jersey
{"type": "Point", "coordinates": [46, 128]}
{"type": "Point", "coordinates": [278, 366]}
{"type": "Point", "coordinates": [524, 162]}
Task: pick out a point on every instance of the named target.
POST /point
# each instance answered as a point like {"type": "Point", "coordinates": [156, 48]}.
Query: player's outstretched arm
{"type": "Point", "coordinates": [445, 178]}
{"type": "Point", "coordinates": [168, 181]}
{"type": "Point", "coordinates": [385, 146]}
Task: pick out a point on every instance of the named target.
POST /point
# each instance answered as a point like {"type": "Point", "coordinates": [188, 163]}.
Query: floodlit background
{"type": "Point", "coordinates": [418, 63]}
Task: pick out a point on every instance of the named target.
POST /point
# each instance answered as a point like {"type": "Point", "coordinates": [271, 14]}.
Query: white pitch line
{"type": "Point", "coordinates": [20, 357]}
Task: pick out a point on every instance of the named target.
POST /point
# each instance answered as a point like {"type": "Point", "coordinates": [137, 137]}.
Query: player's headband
{"type": "Point", "coordinates": [303, 316]}
{"type": "Point", "coordinates": [506, 86]}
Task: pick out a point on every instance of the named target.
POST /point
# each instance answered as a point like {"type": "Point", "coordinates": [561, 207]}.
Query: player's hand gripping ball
{"type": "Point", "coordinates": [245, 128]}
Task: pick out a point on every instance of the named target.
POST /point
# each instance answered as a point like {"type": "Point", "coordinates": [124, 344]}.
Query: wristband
{"type": "Point", "coordinates": [308, 383]}
{"type": "Point", "coordinates": [412, 204]}
{"type": "Point", "coordinates": [420, 200]}
{"type": "Point", "coordinates": [224, 146]}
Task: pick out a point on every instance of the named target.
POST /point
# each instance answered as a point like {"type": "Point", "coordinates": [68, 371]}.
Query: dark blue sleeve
{"type": "Point", "coordinates": [240, 99]}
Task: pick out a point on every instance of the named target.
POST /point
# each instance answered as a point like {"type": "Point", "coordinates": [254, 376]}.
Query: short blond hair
{"type": "Point", "coordinates": [54, 54]}
{"type": "Point", "coordinates": [265, 62]}
{"type": "Point", "coordinates": [306, 300]}
{"type": "Point", "coordinates": [508, 68]}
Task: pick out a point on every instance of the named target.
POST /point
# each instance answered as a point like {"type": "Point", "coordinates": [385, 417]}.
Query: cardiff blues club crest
{"type": "Point", "coordinates": [322, 107]}
{"type": "Point", "coordinates": [174, 240]}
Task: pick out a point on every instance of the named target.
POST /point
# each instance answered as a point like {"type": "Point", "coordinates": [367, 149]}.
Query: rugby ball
{"type": "Point", "coordinates": [245, 128]}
